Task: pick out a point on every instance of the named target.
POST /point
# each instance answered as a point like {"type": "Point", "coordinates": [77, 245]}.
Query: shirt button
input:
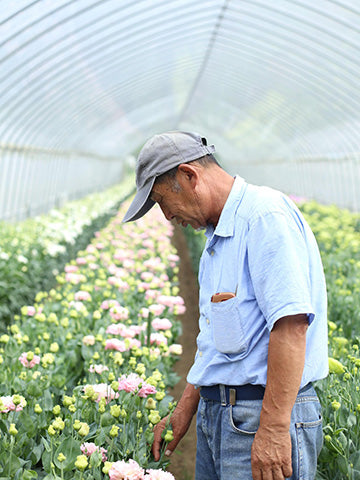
{"type": "Point", "coordinates": [207, 321]}
{"type": "Point", "coordinates": [200, 354]}
{"type": "Point", "coordinates": [212, 253]}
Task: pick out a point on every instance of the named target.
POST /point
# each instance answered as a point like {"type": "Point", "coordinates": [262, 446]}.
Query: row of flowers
{"type": "Point", "coordinates": [338, 235]}
{"type": "Point", "coordinates": [86, 368]}
{"type": "Point", "coordinates": [33, 251]}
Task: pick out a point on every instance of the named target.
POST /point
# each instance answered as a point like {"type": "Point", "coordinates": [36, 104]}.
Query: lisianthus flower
{"type": "Point", "coordinates": [98, 369]}
{"type": "Point", "coordinates": [35, 360]}
{"type": "Point", "coordinates": [103, 391]}
{"type": "Point", "coordinates": [161, 324]}
{"type": "Point", "coordinates": [115, 344]}
{"type": "Point", "coordinates": [82, 295]}
{"type": "Point", "coordinates": [106, 304]}
{"type": "Point", "coordinates": [88, 448]}
{"type": "Point", "coordinates": [7, 404]}
{"type": "Point", "coordinates": [88, 340]}
{"type": "Point", "coordinates": [133, 383]}
{"type": "Point", "coordinates": [71, 268]}
{"type": "Point", "coordinates": [158, 475]}
{"type": "Point", "coordinates": [119, 313]}
{"type": "Point", "coordinates": [122, 470]}
{"type": "Point", "coordinates": [156, 309]}
{"type": "Point", "coordinates": [176, 349]}
{"type": "Point", "coordinates": [158, 339]}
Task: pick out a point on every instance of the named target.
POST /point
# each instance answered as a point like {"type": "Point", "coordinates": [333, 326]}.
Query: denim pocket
{"type": "Point", "coordinates": [245, 417]}
{"type": "Point", "coordinates": [227, 327]}
{"type": "Point", "coordinates": [308, 440]}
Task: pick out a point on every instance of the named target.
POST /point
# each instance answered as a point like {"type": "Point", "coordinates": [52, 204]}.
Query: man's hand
{"type": "Point", "coordinates": [271, 455]}
{"type": "Point", "coordinates": [180, 421]}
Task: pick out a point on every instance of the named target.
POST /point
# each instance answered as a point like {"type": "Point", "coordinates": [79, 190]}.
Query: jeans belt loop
{"type": "Point", "coordinates": [222, 395]}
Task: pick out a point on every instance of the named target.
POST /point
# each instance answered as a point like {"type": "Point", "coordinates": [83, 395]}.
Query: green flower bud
{"type": "Point", "coordinates": [81, 462]}
{"type": "Point", "coordinates": [335, 366]}
{"type": "Point", "coordinates": [61, 457]}
{"type": "Point", "coordinates": [12, 429]}
{"type": "Point", "coordinates": [115, 410]}
{"type": "Point", "coordinates": [114, 431]}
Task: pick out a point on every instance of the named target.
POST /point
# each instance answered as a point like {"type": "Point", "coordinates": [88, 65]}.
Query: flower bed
{"type": "Point", "coordinates": [32, 252]}
{"type": "Point", "coordinates": [85, 369]}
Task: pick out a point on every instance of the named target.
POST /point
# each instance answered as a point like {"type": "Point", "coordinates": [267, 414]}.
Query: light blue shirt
{"type": "Point", "coordinates": [263, 250]}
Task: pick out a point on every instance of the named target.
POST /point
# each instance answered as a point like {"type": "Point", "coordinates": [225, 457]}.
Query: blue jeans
{"type": "Point", "coordinates": [225, 435]}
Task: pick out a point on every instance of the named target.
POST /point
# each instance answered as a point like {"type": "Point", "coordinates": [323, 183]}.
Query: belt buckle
{"type": "Point", "coordinates": [232, 396]}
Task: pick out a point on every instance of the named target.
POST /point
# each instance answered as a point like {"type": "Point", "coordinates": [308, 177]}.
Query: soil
{"type": "Point", "coordinates": [182, 464]}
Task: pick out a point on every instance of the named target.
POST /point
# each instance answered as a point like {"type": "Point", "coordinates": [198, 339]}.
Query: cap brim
{"type": "Point", "coordinates": [141, 203]}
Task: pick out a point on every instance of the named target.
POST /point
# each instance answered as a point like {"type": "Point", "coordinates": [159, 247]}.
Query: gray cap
{"type": "Point", "coordinates": [160, 154]}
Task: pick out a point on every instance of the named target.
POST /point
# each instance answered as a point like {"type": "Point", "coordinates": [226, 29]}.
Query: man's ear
{"type": "Point", "coordinates": [188, 174]}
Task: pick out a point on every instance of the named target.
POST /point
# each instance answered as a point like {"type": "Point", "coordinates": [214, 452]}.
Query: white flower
{"type": "Point", "coordinates": [22, 259]}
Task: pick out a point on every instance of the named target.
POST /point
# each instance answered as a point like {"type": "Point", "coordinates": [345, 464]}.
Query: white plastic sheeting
{"type": "Point", "coordinates": [83, 83]}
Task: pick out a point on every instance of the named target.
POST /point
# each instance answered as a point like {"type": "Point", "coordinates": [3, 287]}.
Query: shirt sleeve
{"type": "Point", "coordinates": [279, 267]}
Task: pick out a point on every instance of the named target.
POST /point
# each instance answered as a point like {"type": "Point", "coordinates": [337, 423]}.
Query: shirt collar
{"type": "Point", "coordinates": [226, 224]}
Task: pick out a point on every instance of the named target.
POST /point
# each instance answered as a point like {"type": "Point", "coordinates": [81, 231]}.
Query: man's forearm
{"type": "Point", "coordinates": [286, 359]}
{"type": "Point", "coordinates": [189, 400]}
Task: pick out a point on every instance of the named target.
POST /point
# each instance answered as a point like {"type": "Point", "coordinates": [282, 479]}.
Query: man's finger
{"type": "Point", "coordinates": [287, 470]}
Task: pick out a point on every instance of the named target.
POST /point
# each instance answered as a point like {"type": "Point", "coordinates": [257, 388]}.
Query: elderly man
{"type": "Point", "coordinates": [263, 326]}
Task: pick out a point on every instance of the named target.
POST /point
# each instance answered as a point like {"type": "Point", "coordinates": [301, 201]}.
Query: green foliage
{"type": "Point", "coordinates": [76, 366]}
{"type": "Point", "coordinates": [32, 252]}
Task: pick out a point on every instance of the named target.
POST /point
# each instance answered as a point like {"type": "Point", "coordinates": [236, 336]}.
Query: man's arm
{"type": "Point", "coordinates": [271, 450]}
{"type": "Point", "coordinates": [180, 420]}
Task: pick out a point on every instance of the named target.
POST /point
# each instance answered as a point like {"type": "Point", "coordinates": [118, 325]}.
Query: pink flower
{"type": "Point", "coordinates": [122, 470]}
{"type": "Point", "coordinates": [103, 390]}
{"type": "Point", "coordinates": [31, 311]}
{"type": "Point", "coordinates": [158, 475]}
{"type": "Point", "coordinates": [115, 329]}
{"type": "Point", "coordinates": [82, 296]}
{"type": "Point", "coordinates": [133, 383]}
{"type": "Point", "coordinates": [8, 404]}
{"type": "Point", "coordinates": [75, 278]}
{"type": "Point", "coordinates": [106, 304]}
{"type": "Point", "coordinates": [130, 383]}
{"type": "Point", "coordinates": [98, 369]}
{"type": "Point", "coordinates": [29, 363]}
{"type": "Point", "coordinates": [115, 344]}
{"type": "Point", "coordinates": [119, 313]}
{"type": "Point", "coordinates": [161, 324]}
{"type": "Point", "coordinates": [156, 309]}
{"type": "Point", "coordinates": [88, 448]}
{"type": "Point", "coordinates": [158, 338]}
{"type": "Point", "coordinates": [71, 268]}
{"type": "Point", "coordinates": [146, 389]}
{"type": "Point", "coordinates": [81, 261]}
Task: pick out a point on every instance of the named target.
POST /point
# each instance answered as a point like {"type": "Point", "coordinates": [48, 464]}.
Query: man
{"type": "Point", "coordinates": [264, 340]}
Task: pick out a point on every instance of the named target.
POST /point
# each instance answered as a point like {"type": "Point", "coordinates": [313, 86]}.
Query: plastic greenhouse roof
{"type": "Point", "coordinates": [274, 85]}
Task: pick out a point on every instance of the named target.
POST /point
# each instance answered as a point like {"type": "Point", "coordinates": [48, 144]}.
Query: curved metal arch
{"type": "Point", "coordinates": [94, 54]}
{"type": "Point", "coordinates": [142, 27]}
{"type": "Point", "coordinates": [129, 84]}
{"type": "Point", "coordinates": [272, 9]}
{"type": "Point", "coordinates": [35, 98]}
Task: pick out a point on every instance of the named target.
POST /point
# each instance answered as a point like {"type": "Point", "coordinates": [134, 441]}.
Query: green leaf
{"type": "Point", "coordinates": [71, 449]}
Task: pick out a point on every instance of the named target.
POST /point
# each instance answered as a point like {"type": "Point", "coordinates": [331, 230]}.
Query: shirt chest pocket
{"type": "Point", "coordinates": [228, 326]}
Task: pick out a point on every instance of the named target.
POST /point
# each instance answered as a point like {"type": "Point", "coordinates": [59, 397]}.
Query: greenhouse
{"type": "Point", "coordinates": [100, 318]}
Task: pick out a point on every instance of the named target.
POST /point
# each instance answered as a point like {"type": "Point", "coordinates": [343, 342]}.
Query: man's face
{"type": "Point", "coordinates": [181, 204]}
